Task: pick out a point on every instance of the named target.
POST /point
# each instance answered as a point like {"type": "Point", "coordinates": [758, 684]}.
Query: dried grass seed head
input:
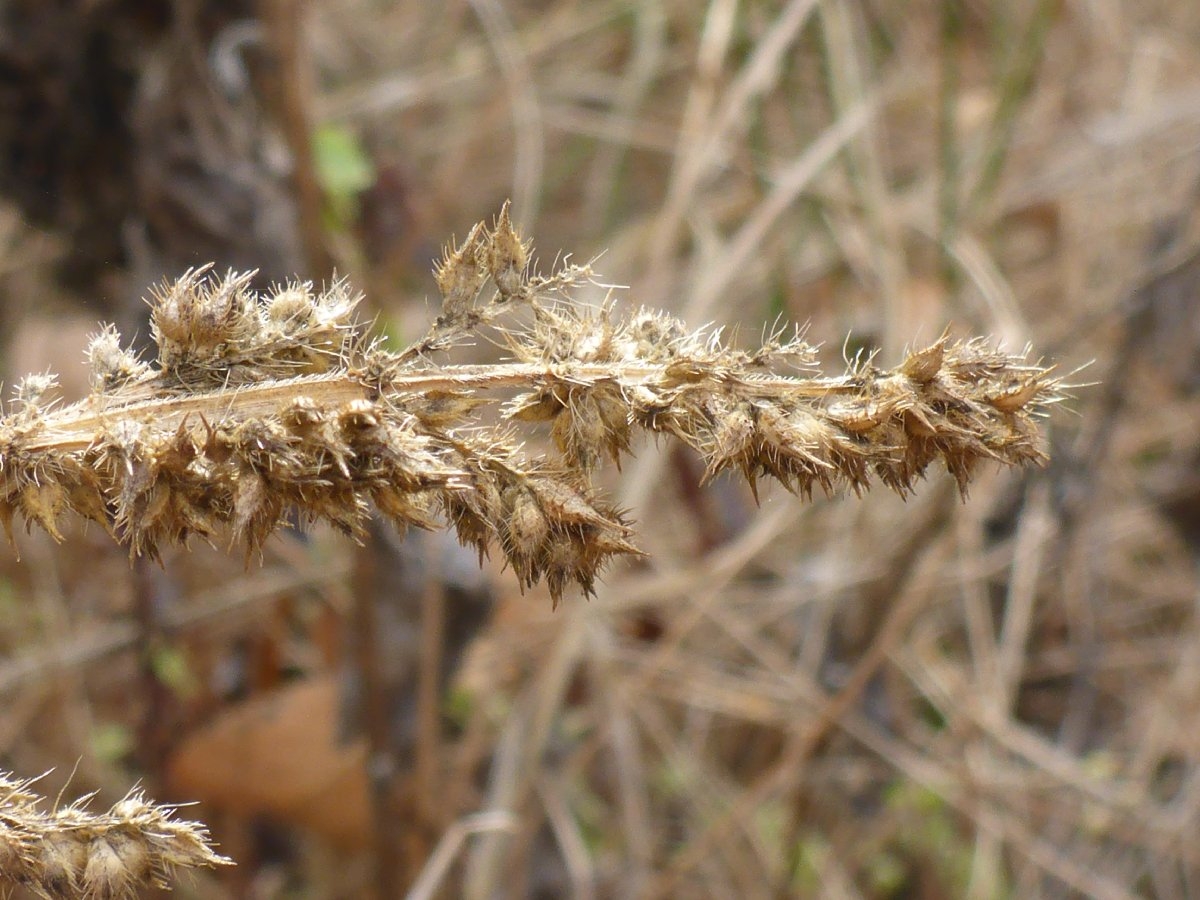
{"type": "Point", "coordinates": [261, 403]}
{"type": "Point", "coordinates": [73, 852]}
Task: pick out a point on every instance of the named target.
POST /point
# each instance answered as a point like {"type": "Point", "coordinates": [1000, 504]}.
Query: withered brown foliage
{"type": "Point", "coordinates": [258, 406]}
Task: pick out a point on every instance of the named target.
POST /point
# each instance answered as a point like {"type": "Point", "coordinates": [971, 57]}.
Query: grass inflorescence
{"type": "Point", "coordinates": [74, 852]}
{"type": "Point", "coordinates": [259, 407]}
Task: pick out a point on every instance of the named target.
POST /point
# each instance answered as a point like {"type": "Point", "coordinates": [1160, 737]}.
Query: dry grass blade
{"type": "Point", "coordinates": [259, 405]}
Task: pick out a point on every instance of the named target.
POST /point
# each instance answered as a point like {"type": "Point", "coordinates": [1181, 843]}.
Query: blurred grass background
{"type": "Point", "coordinates": [844, 698]}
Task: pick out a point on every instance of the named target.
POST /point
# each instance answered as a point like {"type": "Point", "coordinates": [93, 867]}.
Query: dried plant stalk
{"type": "Point", "coordinates": [71, 852]}
{"type": "Point", "coordinates": [257, 405]}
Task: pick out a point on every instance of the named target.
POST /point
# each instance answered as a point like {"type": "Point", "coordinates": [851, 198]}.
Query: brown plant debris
{"type": "Point", "coordinates": [256, 405]}
{"type": "Point", "coordinates": [71, 852]}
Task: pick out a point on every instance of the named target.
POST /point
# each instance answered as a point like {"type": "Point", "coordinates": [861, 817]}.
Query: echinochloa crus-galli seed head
{"type": "Point", "coordinates": [73, 851]}
{"type": "Point", "coordinates": [258, 406]}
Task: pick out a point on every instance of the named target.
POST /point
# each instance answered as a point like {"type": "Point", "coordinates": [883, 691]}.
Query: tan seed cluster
{"type": "Point", "coordinates": [258, 406]}
{"type": "Point", "coordinates": [74, 853]}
